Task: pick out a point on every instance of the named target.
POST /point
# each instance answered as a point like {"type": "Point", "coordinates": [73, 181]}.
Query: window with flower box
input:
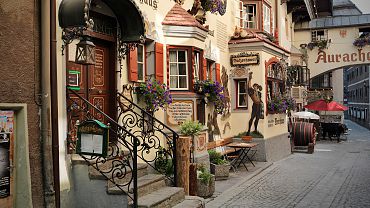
{"type": "Point", "coordinates": [275, 85]}
{"type": "Point", "coordinates": [185, 65]}
{"type": "Point", "coordinates": [319, 35]}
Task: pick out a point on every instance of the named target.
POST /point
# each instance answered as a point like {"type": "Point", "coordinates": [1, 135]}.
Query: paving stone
{"type": "Point", "coordinates": [336, 175]}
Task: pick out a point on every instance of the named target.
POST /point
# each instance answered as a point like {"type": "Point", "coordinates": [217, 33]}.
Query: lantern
{"type": "Point", "coordinates": [85, 51]}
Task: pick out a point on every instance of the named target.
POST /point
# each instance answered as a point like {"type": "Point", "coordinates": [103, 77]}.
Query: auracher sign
{"type": "Point", "coordinates": [244, 59]}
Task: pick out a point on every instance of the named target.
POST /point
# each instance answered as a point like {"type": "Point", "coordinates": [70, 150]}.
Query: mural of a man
{"type": "Point", "coordinates": [255, 94]}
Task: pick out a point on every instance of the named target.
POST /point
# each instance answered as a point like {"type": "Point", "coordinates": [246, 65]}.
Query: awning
{"type": "Point", "coordinates": [129, 18]}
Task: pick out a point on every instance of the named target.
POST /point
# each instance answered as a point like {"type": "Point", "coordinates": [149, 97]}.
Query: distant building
{"type": "Point", "coordinates": [357, 94]}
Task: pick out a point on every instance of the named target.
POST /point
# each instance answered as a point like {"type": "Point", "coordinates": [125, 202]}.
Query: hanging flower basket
{"type": "Point", "coordinates": [212, 92]}
{"type": "Point", "coordinates": [214, 6]}
{"type": "Point", "coordinates": [154, 94]}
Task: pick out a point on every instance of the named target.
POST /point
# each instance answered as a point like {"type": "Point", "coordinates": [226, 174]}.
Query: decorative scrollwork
{"type": "Point", "coordinates": [137, 132]}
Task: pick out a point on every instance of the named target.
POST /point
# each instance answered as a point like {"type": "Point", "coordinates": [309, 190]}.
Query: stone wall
{"type": "Point", "coordinates": [20, 72]}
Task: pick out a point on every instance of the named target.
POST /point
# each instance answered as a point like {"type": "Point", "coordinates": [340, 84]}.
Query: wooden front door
{"type": "Point", "coordinates": [96, 83]}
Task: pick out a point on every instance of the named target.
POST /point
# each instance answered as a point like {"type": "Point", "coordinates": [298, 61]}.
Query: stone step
{"type": "Point", "coordinates": [106, 168]}
{"type": "Point", "coordinates": [77, 159]}
{"type": "Point", "coordinates": [165, 197]}
{"type": "Point", "coordinates": [145, 184]}
{"type": "Point", "coordinates": [191, 202]}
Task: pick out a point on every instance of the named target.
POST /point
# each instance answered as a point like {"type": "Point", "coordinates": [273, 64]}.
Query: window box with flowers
{"type": "Point", "coordinates": [214, 6]}
{"type": "Point", "coordinates": [321, 44]}
{"type": "Point", "coordinates": [212, 92]}
{"type": "Point", "coordinates": [362, 41]}
{"type": "Point", "coordinates": [280, 105]}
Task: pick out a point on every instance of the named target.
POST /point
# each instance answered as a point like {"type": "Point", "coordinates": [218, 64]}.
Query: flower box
{"type": "Point", "coordinates": [221, 172]}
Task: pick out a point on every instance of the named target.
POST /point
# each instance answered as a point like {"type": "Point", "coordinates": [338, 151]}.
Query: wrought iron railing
{"type": "Point", "coordinates": [137, 136]}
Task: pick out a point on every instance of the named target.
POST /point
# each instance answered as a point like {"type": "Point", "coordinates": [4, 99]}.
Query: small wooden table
{"type": "Point", "coordinates": [245, 148]}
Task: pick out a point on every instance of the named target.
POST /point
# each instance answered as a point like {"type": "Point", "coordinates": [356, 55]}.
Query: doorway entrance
{"type": "Point", "coordinates": [96, 83]}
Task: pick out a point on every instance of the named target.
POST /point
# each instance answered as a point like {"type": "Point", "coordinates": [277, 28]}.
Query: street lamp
{"type": "Point", "coordinates": [85, 51]}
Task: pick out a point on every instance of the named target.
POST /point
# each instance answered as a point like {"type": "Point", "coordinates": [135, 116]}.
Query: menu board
{"type": "Point", "coordinates": [6, 133]}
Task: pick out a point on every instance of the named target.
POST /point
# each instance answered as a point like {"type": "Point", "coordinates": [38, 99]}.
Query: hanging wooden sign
{"type": "Point", "coordinates": [245, 59]}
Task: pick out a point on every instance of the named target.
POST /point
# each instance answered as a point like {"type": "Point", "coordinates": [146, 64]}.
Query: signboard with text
{"type": "Point", "coordinates": [245, 59]}
{"type": "Point", "coordinates": [179, 111]}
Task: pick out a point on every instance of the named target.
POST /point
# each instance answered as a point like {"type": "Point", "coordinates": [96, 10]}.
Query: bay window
{"type": "Point", "coordinates": [178, 72]}
{"type": "Point", "coordinates": [250, 21]}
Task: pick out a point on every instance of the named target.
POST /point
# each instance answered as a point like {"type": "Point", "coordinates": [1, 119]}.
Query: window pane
{"type": "Point", "coordinates": [183, 82]}
{"type": "Point", "coordinates": [140, 53]}
{"type": "Point", "coordinates": [173, 69]}
{"type": "Point", "coordinates": [140, 71]}
{"type": "Point", "coordinates": [182, 56]}
{"type": "Point", "coordinates": [173, 56]}
{"type": "Point", "coordinates": [242, 87]}
{"type": "Point", "coordinates": [182, 69]}
{"type": "Point", "coordinates": [173, 82]}
{"type": "Point", "coordinates": [242, 100]}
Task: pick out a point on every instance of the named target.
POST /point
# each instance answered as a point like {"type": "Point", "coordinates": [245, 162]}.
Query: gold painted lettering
{"type": "Point", "coordinates": [353, 58]}
{"type": "Point", "coordinates": [321, 56]}
{"type": "Point", "coordinates": [346, 57]}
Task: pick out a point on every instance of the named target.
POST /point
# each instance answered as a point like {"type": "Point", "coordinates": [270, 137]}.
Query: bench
{"type": "Point", "coordinates": [221, 146]}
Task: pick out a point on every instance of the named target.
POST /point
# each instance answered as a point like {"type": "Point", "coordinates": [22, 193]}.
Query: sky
{"type": "Point", "coordinates": [363, 5]}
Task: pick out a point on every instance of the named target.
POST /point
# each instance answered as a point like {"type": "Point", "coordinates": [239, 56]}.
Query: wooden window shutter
{"type": "Point", "coordinates": [159, 62]}
{"type": "Point", "coordinates": [218, 78]}
{"type": "Point", "coordinates": [204, 71]}
{"type": "Point", "coordinates": [132, 66]}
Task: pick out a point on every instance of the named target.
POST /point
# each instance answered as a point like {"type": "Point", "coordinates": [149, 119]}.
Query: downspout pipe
{"type": "Point", "coordinates": [54, 101]}
{"type": "Point", "coordinates": [48, 181]}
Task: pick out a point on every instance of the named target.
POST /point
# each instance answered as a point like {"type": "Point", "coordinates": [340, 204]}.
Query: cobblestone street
{"type": "Point", "coordinates": [336, 175]}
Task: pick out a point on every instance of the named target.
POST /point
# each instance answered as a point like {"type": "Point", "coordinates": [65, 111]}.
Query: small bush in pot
{"type": "Point", "coordinates": [219, 166]}
{"type": "Point", "coordinates": [205, 182]}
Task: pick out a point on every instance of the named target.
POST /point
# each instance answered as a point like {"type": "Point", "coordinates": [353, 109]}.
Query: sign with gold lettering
{"type": "Point", "coordinates": [93, 138]}
{"type": "Point", "coordinates": [179, 111]}
{"type": "Point", "coordinates": [245, 59]}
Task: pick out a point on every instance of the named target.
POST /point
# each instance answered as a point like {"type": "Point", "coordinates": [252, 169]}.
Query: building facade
{"type": "Point", "coordinates": [357, 85]}
{"type": "Point", "coordinates": [178, 43]}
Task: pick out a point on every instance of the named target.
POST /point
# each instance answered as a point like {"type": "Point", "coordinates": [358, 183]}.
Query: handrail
{"type": "Point", "coordinates": [148, 114]}
{"type": "Point", "coordinates": [138, 130]}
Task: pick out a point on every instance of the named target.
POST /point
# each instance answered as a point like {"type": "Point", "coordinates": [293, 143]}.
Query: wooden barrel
{"type": "Point", "coordinates": [303, 133]}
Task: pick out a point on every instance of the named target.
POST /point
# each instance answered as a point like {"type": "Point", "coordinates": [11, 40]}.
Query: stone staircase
{"type": "Point", "coordinates": [152, 188]}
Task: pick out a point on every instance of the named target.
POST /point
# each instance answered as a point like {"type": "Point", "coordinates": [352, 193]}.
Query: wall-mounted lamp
{"type": "Point", "coordinates": [85, 51]}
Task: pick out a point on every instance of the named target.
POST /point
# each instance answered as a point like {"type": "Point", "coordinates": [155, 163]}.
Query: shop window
{"type": "Point", "coordinates": [318, 35]}
{"type": "Point", "coordinates": [242, 93]}
{"type": "Point", "coordinates": [266, 18]}
{"type": "Point", "coordinates": [178, 69]}
{"type": "Point", "coordinates": [250, 20]}
{"type": "Point", "coordinates": [275, 80]}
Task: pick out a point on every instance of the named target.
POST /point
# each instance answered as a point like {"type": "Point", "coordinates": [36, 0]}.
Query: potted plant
{"type": "Point", "coordinates": [219, 166]}
{"type": "Point", "coordinates": [280, 104]}
{"type": "Point", "coordinates": [205, 182]}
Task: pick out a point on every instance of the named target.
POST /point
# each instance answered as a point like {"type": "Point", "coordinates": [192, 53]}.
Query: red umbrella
{"type": "Point", "coordinates": [322, 105]}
